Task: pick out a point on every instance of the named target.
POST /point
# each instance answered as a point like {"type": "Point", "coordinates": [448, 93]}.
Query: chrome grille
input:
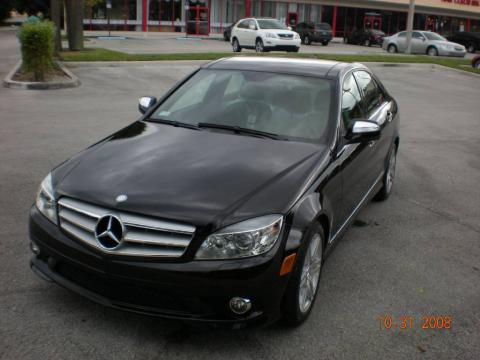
{"type": "Point", "coordinates": [285, 36]}
{"type": "Point", "coordinates": [143, 236]}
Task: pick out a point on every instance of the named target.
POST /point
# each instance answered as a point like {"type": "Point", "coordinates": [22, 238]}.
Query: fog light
{"type": "Point", "coordinates": [240, 305]}
{"type": "Point", "coordinates": [34, 247]}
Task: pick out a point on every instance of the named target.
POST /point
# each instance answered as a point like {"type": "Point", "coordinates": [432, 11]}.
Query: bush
{"type": "Point", "coordinates": [36, 39]}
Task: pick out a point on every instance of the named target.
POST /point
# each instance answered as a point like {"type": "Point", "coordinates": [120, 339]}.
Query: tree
{"type": "Point", "coordinates": [75, 10]}
{"type": "Point", "coordinates": [56, 16]}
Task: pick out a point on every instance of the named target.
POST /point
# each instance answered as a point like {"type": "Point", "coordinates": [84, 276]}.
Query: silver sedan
{"type": "Point", "coordinates": [423, 42]}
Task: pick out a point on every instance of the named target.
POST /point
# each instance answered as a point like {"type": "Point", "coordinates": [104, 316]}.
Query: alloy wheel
{"type": "Point", "coordinates": [471, 48]}
{"type": "Point", "coordinates": [432, 52]}
{"type": "Point", "coordinates": [392, 49]}
{"type": "Point", "coordinates": [306, 40]}
{"type": "Point", "coordinates": [259, 46]}
{"type": "Point", "coordinates": [391, 171]}
{"type": "Point", "coordinates": [310, 273]}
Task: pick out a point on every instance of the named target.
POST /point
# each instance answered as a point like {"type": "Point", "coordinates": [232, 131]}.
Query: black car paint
{"type": "Point", "coordinates": [323, 36]}
{"type": "Point", "coordinates": [306, 182]}
{"type": "Point", "coordinates": [471, 40]}
{"type": "Point", "coordinates": [360, 37]}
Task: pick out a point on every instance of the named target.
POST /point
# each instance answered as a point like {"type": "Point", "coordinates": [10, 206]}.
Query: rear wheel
{"type": "Point", "coordinates": [432, 51]}
{"type": "Point", "coordinates": [477, 64]}
{"type": "Point", "coordinates": [259, 46]}
{"type": "Point", "coordinates": [325, 43]}
{"type": "Point", "coordinates": [388, 178]}
{"type": "Point", "coordinates": [303, 284]}
{"type": "Point", "coordinates": [471, 48]}
{"type": "Point", "coordinates": [367, 42]}
{"type": "Point", "coordinates": [392, 49]}
{"type": "Point", "coordinates": [236, 45]}
{"type": "Point", "coordinates": [306, 40]}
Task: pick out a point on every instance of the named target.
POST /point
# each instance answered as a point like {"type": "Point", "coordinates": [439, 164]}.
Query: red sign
{"type": "Point", "coordinates": [464, 2]}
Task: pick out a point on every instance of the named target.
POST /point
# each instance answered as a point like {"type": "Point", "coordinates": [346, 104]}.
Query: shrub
{"type": "Point", "coordinates": [36, 39]}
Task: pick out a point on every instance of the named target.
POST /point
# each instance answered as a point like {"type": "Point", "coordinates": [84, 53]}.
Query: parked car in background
{"type": "Point", "coordinates": [423, 42]}
{"type": "Point", "coordinates": [264, 34]}
{"type": "Point", "coordinates": [227, 32]}
{"type": "Point", "coordinates": [471, 40]}
{"type": "Point", "coordinates": [476, 62]}
{"type": "Point", "coordinates": [310, 32]}
{"type": "Point", "coordinates": [367, 37]}
{"type": "Point", "coordinates": [221, 203]}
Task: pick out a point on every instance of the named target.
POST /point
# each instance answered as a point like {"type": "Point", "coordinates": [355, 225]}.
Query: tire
{"type": "Point", "coordinates": [392, 49]}
{"type": "Point", "coordinates": [259, 46]}
{"type": "Point", "coordinates": [388, 177]}
{"type": "Point", "coordinates": [225, 37]}
{"type": "Point", "coordinates": [432, 51]}
{"type": "Point", "coordinates": [306, 274]}
{"type": "Point", "coordinates": [236, 45]}
{"type": "Point", "coordinates": [471, 48]}
{"type": "Point", "coordinates": [368, 43]}
{"type": "Point", "coordinates": [477, 65]}
{"type": "Point", "coordinates": [324, 43]}
{"type": "Point", "coordinates": [306, 40]}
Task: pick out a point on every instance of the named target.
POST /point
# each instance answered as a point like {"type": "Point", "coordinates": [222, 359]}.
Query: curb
{"type": "Point", "coordinates": [49, 85]}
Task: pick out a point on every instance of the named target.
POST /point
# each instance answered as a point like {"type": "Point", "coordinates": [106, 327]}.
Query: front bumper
{"type": "Point", "coordinates": [319, 37]}
{"type": "Point", "coordinates": [453, 53]}
{"type": "Point", "coordinates": [281, 44]}
{"type": "Point", "coordinates": [193, 291]}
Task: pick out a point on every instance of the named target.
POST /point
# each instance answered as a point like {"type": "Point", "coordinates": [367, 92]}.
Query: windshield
{"type": "Point", "coordinates": [270, 24]}
{"type": "Point", "coordinates": [292, 107]}
{"type": "Point", "coordinates": [434, 36]}
{"type": "Point", "coordinates": [323, 26]}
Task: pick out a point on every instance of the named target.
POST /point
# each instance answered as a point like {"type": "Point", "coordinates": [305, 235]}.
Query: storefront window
{"type": "Point", "coordinates": [121, 15]}
{"type": "Point", "coordinates": [255, 8]}
{"type": "Point", "coordinates": [269, 9]}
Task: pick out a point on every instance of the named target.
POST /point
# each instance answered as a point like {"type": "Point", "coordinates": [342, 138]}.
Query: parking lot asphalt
{"type": "Point", "coordinates": [416, 254]}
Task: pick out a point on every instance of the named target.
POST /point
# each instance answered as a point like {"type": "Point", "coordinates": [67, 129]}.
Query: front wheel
{"type": "Point", "coordinates": [325, 43]}
{"type": "Point", "coordinates": [392, 49]}
{"type": "Point", "coordinates": [388, 177]}
{"type": "Point", "coordinates": [432, 51]}
{"type": "Point", "coordinates": [259, 46]}
{"type": "Point", "coordinates": [303, 284]}
{"type": "Point", "coordinates": [236, 46]}
{"type": "Point", "coordinates": [306, 40]}
{"type": "Point", "coordinates": [367, 42]}
{"type": "Point", "coordinates": [477, 64]}
{"type": "Point", "coordinates": [471, 48]}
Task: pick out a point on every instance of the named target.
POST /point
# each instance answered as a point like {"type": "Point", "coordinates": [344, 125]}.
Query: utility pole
{"type": "Point", "coordinates": [411, 13]}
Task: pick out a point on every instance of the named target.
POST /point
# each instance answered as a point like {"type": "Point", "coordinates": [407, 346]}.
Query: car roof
{"type": "Point", "coordinates": [307, 67]}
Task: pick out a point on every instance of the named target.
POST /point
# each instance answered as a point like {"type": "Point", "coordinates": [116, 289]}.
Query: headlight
{"type": "Point", "coordinates": [45, 201]}
{"type": "Point", "coordinates": [247, 238]}
{"type": "Point", "coordinates": [296, 36]}
{"type": "Point", "coordinates": [447, 47]}
{"type": "Point", "coordinates": [270, 35]}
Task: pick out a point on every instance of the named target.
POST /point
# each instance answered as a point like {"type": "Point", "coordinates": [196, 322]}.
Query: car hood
{"type": "Point", "coordinates": [200, 177]}
{"type": "Point", "coordinates": [280, 31]}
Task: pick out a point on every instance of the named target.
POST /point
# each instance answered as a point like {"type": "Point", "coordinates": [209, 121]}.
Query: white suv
{"type": "Point", "coordinates": [263, 35]}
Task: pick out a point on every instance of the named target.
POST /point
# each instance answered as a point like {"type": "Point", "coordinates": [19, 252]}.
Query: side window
{"type": "Point", "coordinates": [417, 35]}
{"type": "Point", "coordinates": [402, 34]}
{"type": "Point", "coordinates": [243, 24]}
{"type": "Point", "coordinates": [351, 101]}
{"type": "Point", "coordinates": [373, 95]}
{"type": "Point", "coordinates": [252, 22]}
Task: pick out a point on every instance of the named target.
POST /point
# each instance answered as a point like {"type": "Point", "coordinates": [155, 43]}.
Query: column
{"type": "Point", "coordinates": [334, 21]}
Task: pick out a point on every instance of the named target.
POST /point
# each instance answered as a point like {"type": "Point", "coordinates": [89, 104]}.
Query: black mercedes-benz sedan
{"type": "Point", "coordinates": [220, 204]}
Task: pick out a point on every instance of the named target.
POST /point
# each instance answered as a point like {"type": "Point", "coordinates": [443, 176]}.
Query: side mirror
{"type": "Point", "coordinates": [252, 27]}
{"type": "Point", "coordinates": [363, 131]}
{"type": "Point", "coordinates": [145, 103]}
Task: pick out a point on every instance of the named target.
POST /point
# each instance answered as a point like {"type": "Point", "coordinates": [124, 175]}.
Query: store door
{"type": "Point", "coordinates": [292, 19]}
{"type": "Point", "coordinates": [198, 20]}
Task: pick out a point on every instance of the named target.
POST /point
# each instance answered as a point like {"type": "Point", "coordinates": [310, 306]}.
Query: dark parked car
{"type": "Point", "coordinates": [476, 62]}
{"type": "Point", "coordinates": [310, 32]}
{"type": "Point", "coordinates": [366, 37]}
{"type": "Point", "coordinates": [471, 40]}
{"type": "Point", "coordinates": [227, 32]}
{"type": "Point", "coordinates": [221, 202]}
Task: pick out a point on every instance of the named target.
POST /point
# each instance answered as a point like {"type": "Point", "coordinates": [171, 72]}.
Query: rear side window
{"type": "Point", "coordinates": [402, 34]}
{"type": "Point", "coordinates": [373, 95]}
{"type": "Point", "coordinates": [351, 101]}
{"type": "Point", "coordinates": [243, 24]}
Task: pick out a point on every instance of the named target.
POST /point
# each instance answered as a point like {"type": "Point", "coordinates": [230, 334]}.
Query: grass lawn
{"type": "Point", "coordinates": [99, 54]}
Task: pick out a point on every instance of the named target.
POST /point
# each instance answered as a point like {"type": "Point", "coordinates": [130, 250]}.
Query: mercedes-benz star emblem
{"type": "Point", "coordinates": [109, 232]}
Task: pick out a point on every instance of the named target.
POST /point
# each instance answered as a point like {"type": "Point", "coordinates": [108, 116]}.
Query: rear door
{"type": "Point", "coordinates": [240, 33]}
{"type": "Point", "coordinates": [419, 43]}
{"type": "Point", "coordinates": [401, 41]}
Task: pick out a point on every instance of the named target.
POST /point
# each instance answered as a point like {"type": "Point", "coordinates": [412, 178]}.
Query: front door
{"type": "Point", "coordinates": [198, 20]}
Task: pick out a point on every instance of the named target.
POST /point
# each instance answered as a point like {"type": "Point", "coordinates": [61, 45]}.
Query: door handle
{"type": "Point", "coordinates": [389, 116]}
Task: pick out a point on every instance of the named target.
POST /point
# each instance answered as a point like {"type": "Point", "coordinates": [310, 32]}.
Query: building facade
{"type": "Point", "coordinates": [203, 17]}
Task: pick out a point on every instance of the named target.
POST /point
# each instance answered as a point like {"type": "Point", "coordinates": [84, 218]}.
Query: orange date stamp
{"type": "Point", "coordinates": [405, 322]}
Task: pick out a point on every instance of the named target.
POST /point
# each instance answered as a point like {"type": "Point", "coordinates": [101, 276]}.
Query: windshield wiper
{"type": "Point", "coordinates": [241, 130]}
{"type": "Point", "coordinates": [174, 123]}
